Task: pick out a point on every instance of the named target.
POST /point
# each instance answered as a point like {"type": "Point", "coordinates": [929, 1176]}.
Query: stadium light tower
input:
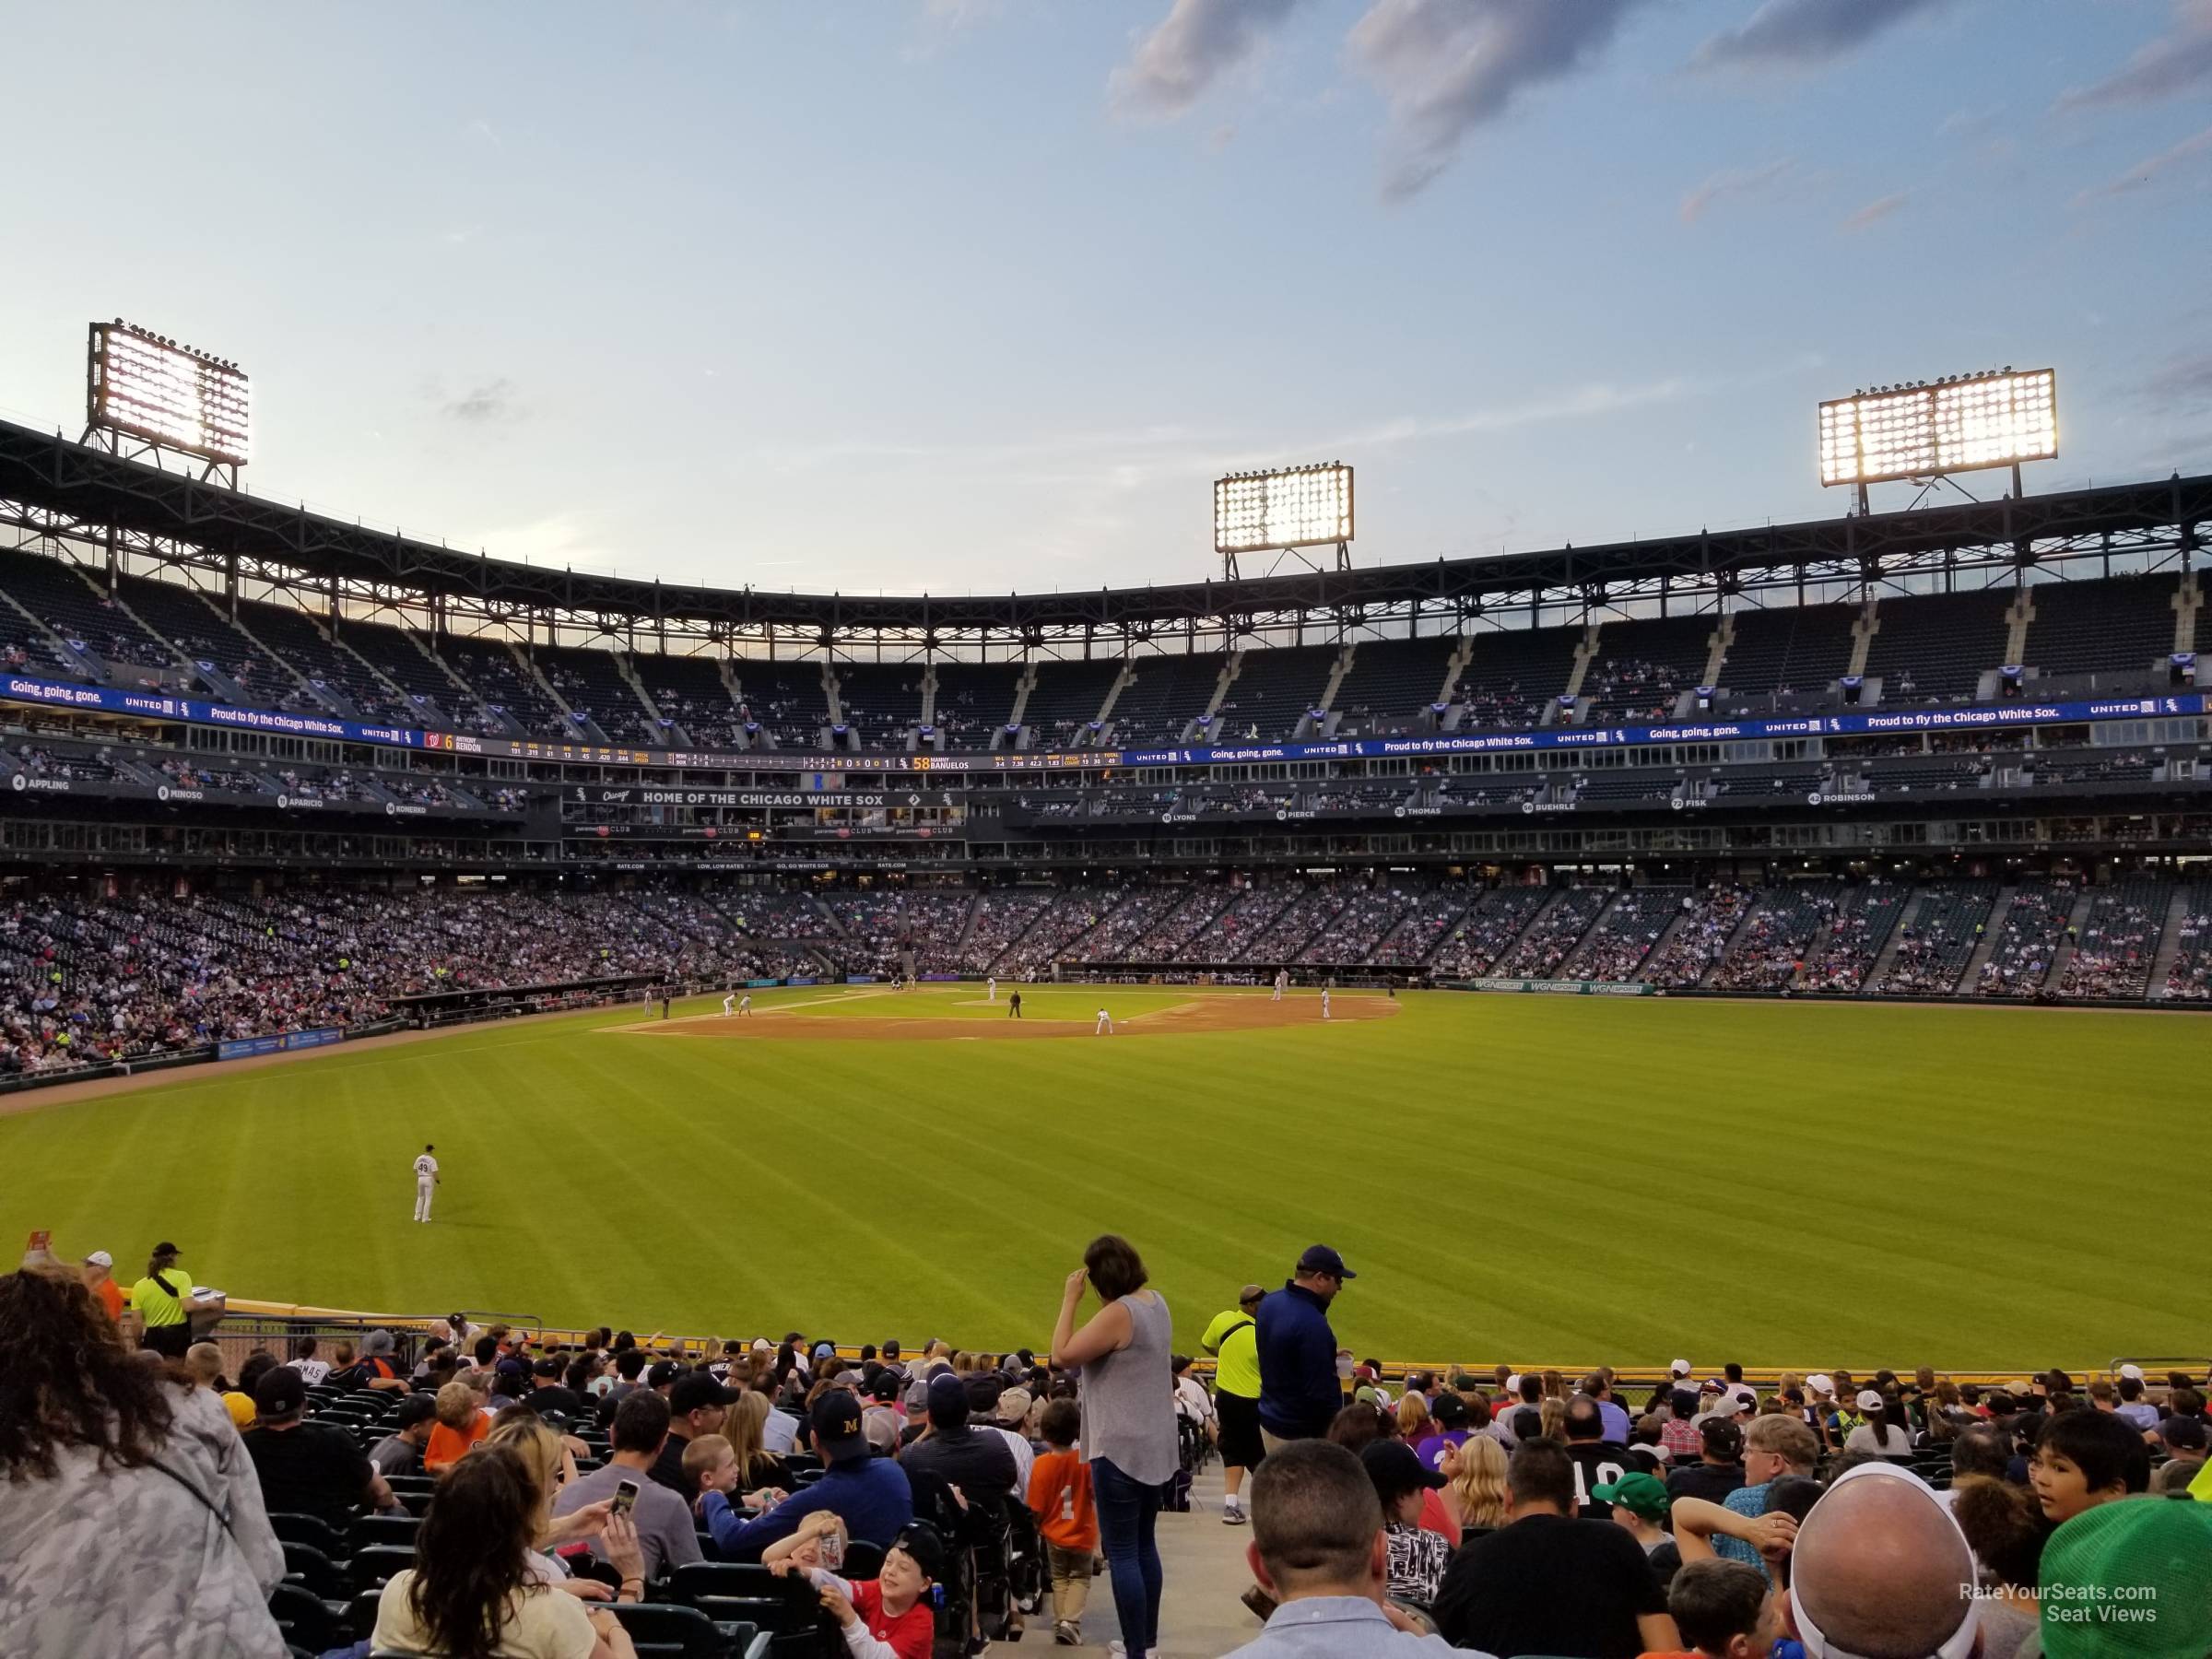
{"type": "Point", "coordinates": [1924, 433]}
{"type": "Point", "coordinates": [1284, 510]}
{"type": "Point", "coordinates": [145, 395]}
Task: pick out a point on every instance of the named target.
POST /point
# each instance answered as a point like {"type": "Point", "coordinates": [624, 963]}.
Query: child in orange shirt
{"type": "Point", "coordinates": [461, 1424]}
{"type": "Point", "coordinates": [1060, 1494]}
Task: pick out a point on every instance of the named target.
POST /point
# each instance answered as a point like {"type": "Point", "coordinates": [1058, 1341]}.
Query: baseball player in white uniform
{"type": "Point", "coordinates": [728, 1003]}
{"type": "Point", "coordinates": [1282, 984]}
{"type": "Point", "coordinates": [1105, 1026]}
{"type": "Point", "coordinates": [991, 989]}
{"type": "Point", "coordinates": [426, 1182]}
{"type": "Point", "coordinates": [1324, 1002]}
{"type": "Point", "coordinates": [745, 1006]}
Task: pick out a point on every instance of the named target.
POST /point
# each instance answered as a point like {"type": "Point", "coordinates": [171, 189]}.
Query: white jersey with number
{"type": "Point", "coordinates": [425, 1168]}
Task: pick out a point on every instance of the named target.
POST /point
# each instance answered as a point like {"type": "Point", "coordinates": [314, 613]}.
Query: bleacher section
{"type": "Point", "coordinates": [57, 595]}
{"type": "Point", "coordinates": [2190, 977]}
{"type": "Point", "coordinates": [2123, 624]}
{"type": "Point", "coordinates": [1390, 685]}
{"type": "Point", "coordinates": [1933, 648]}
{"type": "Point", "coordinates": [1486, 932]}
{"type": "Point", "coordinates": [591, 683]}
{"type": "Point", "coordinates": [502, 686]}
{"type": "Point", "coordinates": [1789, 648]}
{"type": "Point", "coordinates": [1514, 674]}
{"type": "Point", "coordinates": [349, 684]}
{"type": "Point", "coordinates": [785, 699]}
{"type": "Point", "coordinates": [1863, 919]}
{"type": "Point", "coordinates": [882, 701]}
{"type": "Point", "coordinates": [2028, 938]}
{"type": "Point", "coordinates": [431, 693]}
{"type": "Point", "coordinates": [1170, 690]}
{"type": "Point", "coordinates": [1273, 690]}
{"type": "Point", "coordinates": [1551, 938]}
{"type": "Point", "coordinates": [689, 690]}
{"type": "Point", "coordinates": [1066, 698]}
{"type": "Point", "coordinates": [202, 633]}
{"type": "Point", "coordinates": [975, 700]}
{"type": "Point", "coordinates": [1767, 953]}
{"type": "Point", "coordinates": [2118, 942]}
{"type": "Point", "coordinates": [1625, 934]}
{"type": "Point", "coordinates": [1942, 926]}
{"type": "Point", "coordinates": [1643, 666]}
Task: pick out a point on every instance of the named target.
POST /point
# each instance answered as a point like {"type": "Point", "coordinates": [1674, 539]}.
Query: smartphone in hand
{"type": "Point", "coordinates": [626, 1497]}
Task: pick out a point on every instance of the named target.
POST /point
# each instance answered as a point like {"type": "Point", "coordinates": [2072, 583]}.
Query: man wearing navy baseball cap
{"type": "Point", "coordinates": [1299, 1387]}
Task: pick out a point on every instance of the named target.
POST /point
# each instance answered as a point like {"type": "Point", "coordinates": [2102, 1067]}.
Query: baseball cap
{"type": "Point", "coordinates": [1014, 1406]}
{"type": "Point", "coordinates": [1723, 1437]}
{"type": "Point", "coordinates": [1396, 1469]}
{"type": "Point", "coordinates": [695, 1390]}
{"type": "Point", "coordinates": [280, 1395]}
{"type": "Point", "coordinates": [1869, 1399]}
{"type": "Point", "coordinates": [885, 1386]}
{"type": "Point", "coordinates": [2182, 1433]}
{"type": "Point", "coordinates": [824, 1350]}
{"type": "Point", "coordinates": [1251, 1293]}
{"type": "Point", "coordinates": [948, 1393]}
{"type": "Point", "coordinates": [1450, 1410]}
{"type": "Point", "coordinates": [920, 1541]}
{"type": "Point", "coordinates": [662, 1372]}
{"type": "Point", "coordinates": [1679, 1367]}
{"type": "Point", "coordinates": [548, 1367]}
{"type": "Point", "coordinates": [1640, 1494]}
{"type": "Point", "coordinates": [1320, 1258]}
{"type": "Point", "coordinates": [376, 1343]}
{"type": "Point", "coordinates": [165, 1248]}
{"type": "Point", "coordinates": [99, 1258]}
{"type": "Point", "coordinates": [1820, 1383]}
{"type": "Point", "coordinates": [2150, 1555]}
{"type": "Point", "coordinates": [837, 1426]}
{"type": "Point", "coordinates": [2133, 1373]}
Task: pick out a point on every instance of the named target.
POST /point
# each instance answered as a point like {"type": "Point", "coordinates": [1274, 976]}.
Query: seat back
{"type": "Point", "coordinates": [664, 1630]}
{"type": "Point", "coordinates": [311, 1530]}
{"type": "Point", "coordinates": [386, 1529]}
{"type": "Point", "coordinates": [373, 1566]}
{"type": "Point", "coordinates": [313, 1571]}
{"type": "Point", "coordinates": [305, 1618]}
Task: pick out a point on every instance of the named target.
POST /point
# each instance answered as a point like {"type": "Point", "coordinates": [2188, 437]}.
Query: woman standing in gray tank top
{"type": "Point", "coordinates": [1128, 1400]}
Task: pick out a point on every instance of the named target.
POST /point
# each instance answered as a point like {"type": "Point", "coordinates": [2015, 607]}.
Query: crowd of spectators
{"type": "Point", "coordinates": [2190, 978]}
{"type": "Point", "coordinates": [882, 929]}
{"type": "Point", "coordinates": [1625, 934]}
{"type": "Point", "coordinates": [2028, 934]}
{"type": "Point", "coordinates": [2111, 958]}
{"type": "Point", "coordinates": [1769, 953]}
{"type": "Point", "coordinates": [1700, 1514]}
{"type": "Point", "coordinates": [1710, 918]}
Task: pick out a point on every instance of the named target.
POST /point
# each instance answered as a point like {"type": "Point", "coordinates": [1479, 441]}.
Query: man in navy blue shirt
{"type": "Point", "coordinates": [1299, 1387]}
{"type": "Point", "coordinates": [870, 1494]}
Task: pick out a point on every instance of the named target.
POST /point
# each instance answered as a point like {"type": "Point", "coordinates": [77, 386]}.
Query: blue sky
{"type": "Point", "coordinates": [954, 294]}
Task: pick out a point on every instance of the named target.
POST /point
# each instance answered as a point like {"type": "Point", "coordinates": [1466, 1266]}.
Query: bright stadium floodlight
{"type": "Point", "coordinates": [141, 384]}
{"type": "Point", "coordinates": [1291, 507]}
{"type": "Point", "coordinates": [1998, 419]}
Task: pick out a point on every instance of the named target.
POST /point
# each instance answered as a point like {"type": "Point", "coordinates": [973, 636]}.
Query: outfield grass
{"type": "Point", "coordinates": [1527, 1179]}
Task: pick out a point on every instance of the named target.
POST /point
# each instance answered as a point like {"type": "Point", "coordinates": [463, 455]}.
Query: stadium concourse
{"type": "Point", "coordinates": [1696, 1508]}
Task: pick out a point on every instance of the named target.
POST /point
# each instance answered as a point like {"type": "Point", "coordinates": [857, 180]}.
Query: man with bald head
{"type": "Point", "coordinates": [1880, 1571]}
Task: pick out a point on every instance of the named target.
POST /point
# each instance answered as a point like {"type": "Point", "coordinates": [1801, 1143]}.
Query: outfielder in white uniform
{"type": "Point", "coordinates": [1105, 1026]}
{"type": "Point", "coordinates": [1282, 982]}
{"type": "Point", "coordinates": [426, 1182]}
{"type": "Point", "coordinates": [991, 989]}
{"type": "Point", "coordinates": [1324, 1002]}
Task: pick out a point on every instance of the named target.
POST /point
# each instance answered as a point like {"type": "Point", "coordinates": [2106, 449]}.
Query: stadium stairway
{"type": "Point", "coordinates": [2079, 919]}
{"type": "Point", "coordinates": [1666, 937]}
{"type": "Point", "coordinates": [2170, 940]}
{"type": "Point", "coordinates": [1992, 931]}
{"type": "Point", "coordinates": [1887, 953]}
{"type": "Point", "coordinates": [1752, 907]}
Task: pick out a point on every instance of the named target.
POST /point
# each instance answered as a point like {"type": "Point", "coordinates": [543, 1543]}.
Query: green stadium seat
{"type": "Point", "coordinates": [305, 1620]}
{"type": "Point", "coordinates": [660, 1630]}
{"type": "Point", "coordinates": [320, 1575]}
{"type": "Point", "coordinates": [311, 1530]}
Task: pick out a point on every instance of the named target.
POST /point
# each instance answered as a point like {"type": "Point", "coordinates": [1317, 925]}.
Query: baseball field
{"type": "Point", "coordinates": [1541, 1181]}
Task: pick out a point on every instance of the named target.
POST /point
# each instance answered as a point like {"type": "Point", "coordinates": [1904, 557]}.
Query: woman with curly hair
{"type": "Point", "coordinates": [475, 1590]}
{"type": "Point", "coordinates": [131, 1520]}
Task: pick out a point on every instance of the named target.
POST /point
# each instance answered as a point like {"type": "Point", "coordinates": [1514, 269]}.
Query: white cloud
{"type": "Point", "coordinates": [1192, 47]}
{"type": "Point", "coordinates": [1806, 34]}
{"type": "Point", "coordinates": [2145, 173]}
{"type": "Point", "coordinates": [1734, 181]}
{"type": "Point", "coordinates": [1880, 209]}
{"type": "Point", "coordinates": [1449, 66]}
{"type": "Point", "coordinates": [2173, 63]}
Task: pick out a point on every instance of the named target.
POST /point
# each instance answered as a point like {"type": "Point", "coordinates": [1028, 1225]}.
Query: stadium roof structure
{"type": "Point", "coordinates": [53, 489]}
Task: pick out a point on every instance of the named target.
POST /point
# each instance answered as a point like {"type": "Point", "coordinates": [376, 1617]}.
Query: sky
{"type": "Point", "coordinates": [955, 295]}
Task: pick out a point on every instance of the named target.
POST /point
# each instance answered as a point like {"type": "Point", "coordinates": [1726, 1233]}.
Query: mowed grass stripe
{"type": "Point", "coordinates": [1517, 1178]}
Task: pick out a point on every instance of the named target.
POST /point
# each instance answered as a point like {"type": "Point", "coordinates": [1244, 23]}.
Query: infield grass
{"type": "Point", "coordinates": [1524, 1178]}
